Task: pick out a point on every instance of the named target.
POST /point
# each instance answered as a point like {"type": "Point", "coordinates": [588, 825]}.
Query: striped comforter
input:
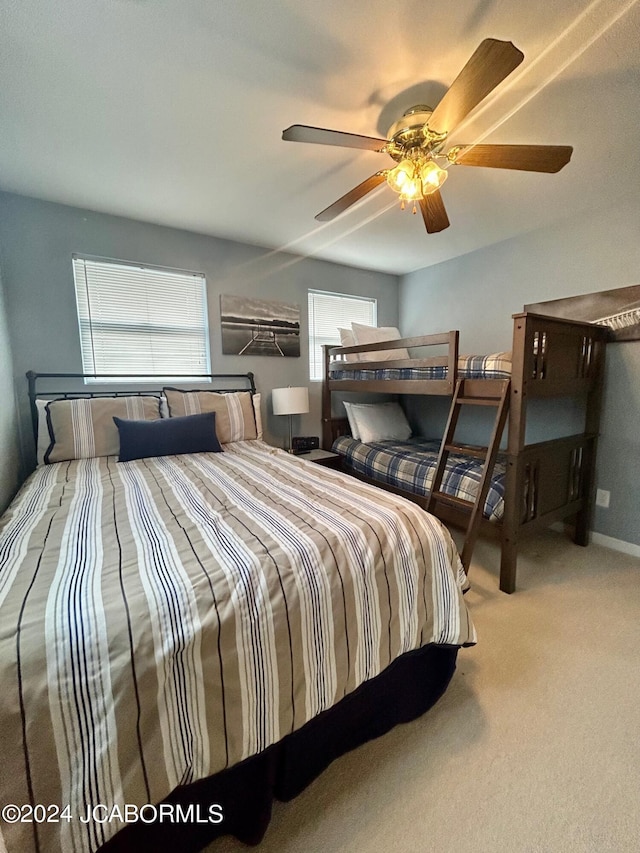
{"type": "Point", "coordinates": [163, 619]}
{"type": "Point", "coordinates": [411, 464]}
{"type": "Point", "coordinates": [494, 366]}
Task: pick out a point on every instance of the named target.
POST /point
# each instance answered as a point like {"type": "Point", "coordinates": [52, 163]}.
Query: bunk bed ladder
{"type": "Point", "coordinates": [494, 393]}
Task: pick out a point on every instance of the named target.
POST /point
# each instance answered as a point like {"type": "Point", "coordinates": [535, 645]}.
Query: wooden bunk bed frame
{"type": "Point", "coordinates": [547, 481]}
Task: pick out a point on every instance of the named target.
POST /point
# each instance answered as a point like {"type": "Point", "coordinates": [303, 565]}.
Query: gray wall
{"type": "Point", "coordinates": [9, 449]}
{"type": "Point", "coordinates": [476, 293]}
{"type": "Point", "coordinates": [479, 292]}
{"type": "Point", "coordinates": [39, 237]}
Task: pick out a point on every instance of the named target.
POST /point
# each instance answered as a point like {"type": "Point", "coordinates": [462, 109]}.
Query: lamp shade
{"type": "Point", "coordinates": [290, 401]}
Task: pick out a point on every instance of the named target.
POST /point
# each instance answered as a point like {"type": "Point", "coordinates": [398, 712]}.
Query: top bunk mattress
{"type": "Point", "coordinates": [494, 366]}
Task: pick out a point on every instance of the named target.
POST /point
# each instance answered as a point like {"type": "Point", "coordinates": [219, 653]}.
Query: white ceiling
{"type": "Point", "coordinates": [171, 111]}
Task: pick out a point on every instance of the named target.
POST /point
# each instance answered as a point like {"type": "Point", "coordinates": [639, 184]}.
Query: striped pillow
{"type": "Point", "coordinates": [235, 416]}
{"type": "Point", "coordinates": [83, 427]}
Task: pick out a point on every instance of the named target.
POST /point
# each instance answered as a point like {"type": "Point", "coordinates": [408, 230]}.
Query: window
{"type": "Point", "coordinates": [141, 320]}
{"type": "Point", "coordinates": [327, 313]}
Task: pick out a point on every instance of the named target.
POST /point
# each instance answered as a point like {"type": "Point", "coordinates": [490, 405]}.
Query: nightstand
{"type": "Point", "coordinates": [323, 457]}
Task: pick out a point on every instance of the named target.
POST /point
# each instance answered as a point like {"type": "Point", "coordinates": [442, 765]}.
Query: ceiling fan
{"type": "Point", "coordinates": [418, 141]}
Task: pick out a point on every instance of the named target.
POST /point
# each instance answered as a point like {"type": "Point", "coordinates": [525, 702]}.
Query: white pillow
{"type": "Point", "coordinates": [372, 335]}
{"type": "Point", "coordinates": [380, 421]}
{"type": "Point", "coordinates": [257, 411]}
{"type": "Point", "coordinates": [353, 426]}
{"type": "Point", "coordinates": [347, 339]}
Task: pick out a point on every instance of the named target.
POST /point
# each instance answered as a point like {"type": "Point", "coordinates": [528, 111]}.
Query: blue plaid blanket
{"type": "Point", "coordinates": [494, 366]}
{"type": "Point", "coordinates": [410, 465]}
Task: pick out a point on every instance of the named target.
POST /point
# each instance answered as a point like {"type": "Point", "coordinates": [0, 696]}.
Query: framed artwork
{"type": "Point", "coordinates": [619, 309]}
{"type": "Point", "coordinates": [259, 327]}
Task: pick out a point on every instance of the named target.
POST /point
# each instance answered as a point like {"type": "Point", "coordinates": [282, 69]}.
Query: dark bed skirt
{"type": "Point", "coordinates": [404, 691]}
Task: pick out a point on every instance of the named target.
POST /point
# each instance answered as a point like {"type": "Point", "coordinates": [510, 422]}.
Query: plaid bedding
{"type": "Point", "coordinates": [494, 366]}
{"type": "Point", "coordinates": [411, 464]}
{"type": "Point", "coordinates": [163, 619]}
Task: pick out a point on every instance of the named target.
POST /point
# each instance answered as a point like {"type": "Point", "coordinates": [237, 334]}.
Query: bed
{"type": "Point", "coordinates": [410, 466]}
{"type": "Point", "coordinates": [203, 631]}
{"type": "Point", "coordinates": [544, 481]}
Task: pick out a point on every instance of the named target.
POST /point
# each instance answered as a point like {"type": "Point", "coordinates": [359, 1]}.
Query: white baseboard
{"type": "Point", "coordinates": [606, 541]}
{"type": "Point", "coordinates": [615, 544]}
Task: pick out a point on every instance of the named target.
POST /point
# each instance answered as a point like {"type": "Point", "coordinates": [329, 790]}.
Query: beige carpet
{"type": "Point", "coordinates": [534, 747]}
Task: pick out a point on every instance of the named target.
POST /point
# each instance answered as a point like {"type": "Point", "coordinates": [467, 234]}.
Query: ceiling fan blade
{"type": "Point", "coordinates": [351, 197]}
{"type": "Point", "coordinates": [528, 158]}
{"type": "Point", "coordinates": [433, 212]}
{"type": "Point", "coordinates": [324, 136]}
{"type": "Point", "coordinates": [491, 63]}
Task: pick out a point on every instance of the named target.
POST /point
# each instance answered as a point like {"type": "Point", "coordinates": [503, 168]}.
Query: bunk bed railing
{"type": "Point", "coordinates": [434, 361]}
{"type": "Point", "coordinates": [335, 358]}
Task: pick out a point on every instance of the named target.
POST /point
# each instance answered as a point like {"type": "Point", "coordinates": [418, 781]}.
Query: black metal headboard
{"type": "Point", "coordinates": [34, 378]}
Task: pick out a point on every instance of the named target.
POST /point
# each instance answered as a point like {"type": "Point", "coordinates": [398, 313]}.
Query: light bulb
{"type": "Point", "coordinates": [411, 189]}
{"type": "Point", "coordinates": [433, 177]}
{"type": "Point", "coordinates": [397, 178]}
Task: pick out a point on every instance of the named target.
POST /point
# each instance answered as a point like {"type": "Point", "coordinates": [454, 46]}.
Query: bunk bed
{"type": "Point", "coordinates": [542, 482]}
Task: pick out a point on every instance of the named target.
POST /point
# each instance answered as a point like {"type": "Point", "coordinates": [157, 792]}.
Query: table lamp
{"type": "Point", "coordinates": [290, 401]}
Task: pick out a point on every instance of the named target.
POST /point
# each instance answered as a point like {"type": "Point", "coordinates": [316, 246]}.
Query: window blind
{"type": "Point", "coordinates": [141, 320]}
{"type": "Point", "coordinates": [327, 313]}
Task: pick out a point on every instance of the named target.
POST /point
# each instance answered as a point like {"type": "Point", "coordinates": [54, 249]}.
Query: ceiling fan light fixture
{"type": "Point", "coordinates": [415, 179]}
{"type": "Point", "coordinates": [432, 177]}
{"type": "Point", "coordinates": [411, 190]}
{"type": "Point", "coordinates": [401, 176]}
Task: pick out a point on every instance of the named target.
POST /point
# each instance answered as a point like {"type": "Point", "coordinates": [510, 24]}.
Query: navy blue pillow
{"type": "Point", "coordinates": [167, 436]}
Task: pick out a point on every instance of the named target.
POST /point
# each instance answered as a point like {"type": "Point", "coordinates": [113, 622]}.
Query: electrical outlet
{"type": "Point", "coordinates": [602, 498]}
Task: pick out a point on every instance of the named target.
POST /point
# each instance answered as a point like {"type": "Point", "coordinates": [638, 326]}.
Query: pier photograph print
{"type": "Point", "coordinates": [259, 327]}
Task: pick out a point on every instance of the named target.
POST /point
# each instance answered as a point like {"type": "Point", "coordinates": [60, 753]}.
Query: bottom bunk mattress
{"type": "Point", "coordinates": [410, 465]}
{"type": "Point", "coordinates": [165, 619]}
